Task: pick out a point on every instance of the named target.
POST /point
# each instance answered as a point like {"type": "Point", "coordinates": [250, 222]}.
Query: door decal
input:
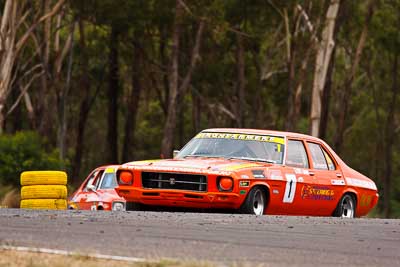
{"type": "Point", "coordinates": [290, 189]}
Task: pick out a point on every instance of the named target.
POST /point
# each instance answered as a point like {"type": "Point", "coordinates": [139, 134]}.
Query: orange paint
{"type": "Point", "coordinates": [291, 190]}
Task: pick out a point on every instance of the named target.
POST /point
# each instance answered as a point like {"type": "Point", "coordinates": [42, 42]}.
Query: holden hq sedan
{"type": "Point", "coordinates": [97, 192]}
{"type": "Point", "coordinates": [252, 171]}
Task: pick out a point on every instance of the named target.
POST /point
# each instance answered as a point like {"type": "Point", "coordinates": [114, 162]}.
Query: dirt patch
{"type": "Point", "coordinates": [30, 259]}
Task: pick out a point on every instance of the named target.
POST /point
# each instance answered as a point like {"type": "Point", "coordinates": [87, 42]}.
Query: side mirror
{"type": "Point", "coordinates": [175, 153]}
{"type": "Point", "coordinates": [91, 188]}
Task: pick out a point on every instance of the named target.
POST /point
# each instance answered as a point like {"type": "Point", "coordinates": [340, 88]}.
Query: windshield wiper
{"type": "Point", "coordinates": [254, 159]}
{"type": "Point", "coordinates": [202, 156]}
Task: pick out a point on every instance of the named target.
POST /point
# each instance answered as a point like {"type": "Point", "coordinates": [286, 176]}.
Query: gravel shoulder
{"type": "Point", "coordinates": [220, 238]}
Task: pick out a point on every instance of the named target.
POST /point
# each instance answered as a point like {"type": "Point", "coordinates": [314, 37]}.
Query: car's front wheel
{"type": "Point", "coordinates": [346, 207]}
{"type": "Point", "coordinates": [255, 202]}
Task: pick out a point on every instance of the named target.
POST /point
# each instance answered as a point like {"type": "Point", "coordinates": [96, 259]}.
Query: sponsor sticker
{"type": "Point", "coordinates": [244, 183]}
{"type": "Point", "coordinates": [242, 192]}
{"type": "Point", "coordinates": [276, 175]}
{"type": "Point", "coordinates": [297, 171]}
{"type": "Point", "coordinates": [240, 166]}
{"type": "Point", "coordinates": [275, 191]}
{"type": "Point", "coordinates": [317, 192]}
{"type": "Point", "coordinates": [249, 137]}
{"type": "Point", "coordinates": [361, 183]}
{"type": "Point", "coordinates": [337, 182]}
{"type": "Point", "coordinates": [109, 170]}
{"type": "Point", "coordinates": [365, 200]}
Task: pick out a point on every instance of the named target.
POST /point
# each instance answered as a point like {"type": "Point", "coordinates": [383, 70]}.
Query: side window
{"type": "Point", "coordinates": [97, 179]}
{"type": "Point", "coordinates": [328, 158]}
{"type": "Point", "coordinates": [93, 180]}
{"type": "Point", "coordinates": [90, 181]}
{"type": "Point", "coordinates": [319, 157]}
{"type": "Point", "coordinates": [296, 154]}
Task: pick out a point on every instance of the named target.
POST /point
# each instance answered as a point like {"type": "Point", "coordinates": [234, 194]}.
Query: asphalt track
{"type": "Point", "coordinates": [222, 238]}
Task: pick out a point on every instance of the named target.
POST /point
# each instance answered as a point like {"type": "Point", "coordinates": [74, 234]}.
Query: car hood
{"type": "Point", "coordinates": [101, 195]}
{"type": "Point", "coordinates": [196, 165]}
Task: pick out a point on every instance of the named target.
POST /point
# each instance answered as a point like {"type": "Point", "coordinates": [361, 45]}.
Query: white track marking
{"type": "Point", "coordinates": [71, 253]}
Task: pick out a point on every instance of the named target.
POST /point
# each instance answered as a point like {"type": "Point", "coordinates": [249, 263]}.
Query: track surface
{"type": "Point", "coordinates": [222, 238]}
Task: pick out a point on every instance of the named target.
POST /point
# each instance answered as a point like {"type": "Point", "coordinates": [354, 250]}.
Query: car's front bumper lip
{"type": "Point", "coordinates": [182, 198]}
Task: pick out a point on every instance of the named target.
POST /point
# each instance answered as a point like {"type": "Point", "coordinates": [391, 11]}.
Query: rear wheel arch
{"type": "Point", "coordinates": [353, 193]}
{"type": "Point", "coordinates": [339, 211]}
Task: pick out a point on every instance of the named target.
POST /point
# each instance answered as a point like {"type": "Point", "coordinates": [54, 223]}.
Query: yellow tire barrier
{"type": "Point", "coordinates": [51, 204]}
{"type": "Point", "coordinates": [43, 178]}
{"type": "Point", "coordinates": [44, 192]}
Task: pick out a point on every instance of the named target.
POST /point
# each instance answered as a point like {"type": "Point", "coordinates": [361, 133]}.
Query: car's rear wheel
{"type": "Point", "coordinates": [255, 202]}
{"type": "Point", "coordinates": [346, 207]}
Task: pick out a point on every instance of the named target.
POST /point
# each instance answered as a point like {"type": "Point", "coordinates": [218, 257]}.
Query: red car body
{"type": "Point", "coordinates": [297, 175]}
{"type": "Point", "coordinates": [97, 192]}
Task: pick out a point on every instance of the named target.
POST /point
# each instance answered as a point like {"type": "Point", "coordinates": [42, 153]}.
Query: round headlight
{"type": "Point", "coordinates": [125, 177]}
{"type": "Point", "coordinates": [118, 206]}
{"type": "Point", "coordinates": [225, 183]}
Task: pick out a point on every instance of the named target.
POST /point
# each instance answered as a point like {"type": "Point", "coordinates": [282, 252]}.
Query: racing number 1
{"type": "Point", "coordinates": [290, 188]}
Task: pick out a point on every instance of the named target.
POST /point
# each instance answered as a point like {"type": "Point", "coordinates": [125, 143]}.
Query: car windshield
{"type": "Point", "coordinates": [93, 180]}
{"type": "Point", "coordinates": [236, 146]}
{"type": "Point", "coordinates": [109, 181]}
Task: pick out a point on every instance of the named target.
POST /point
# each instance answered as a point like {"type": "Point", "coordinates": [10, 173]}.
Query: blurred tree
{"type": "Point", "coordinates": [24, 152]}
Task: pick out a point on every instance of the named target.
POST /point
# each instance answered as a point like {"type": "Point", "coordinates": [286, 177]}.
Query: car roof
{"type": "Point", "coordinates": [107, 166]}
{"type": "Point", "coordinates": [262, 132]}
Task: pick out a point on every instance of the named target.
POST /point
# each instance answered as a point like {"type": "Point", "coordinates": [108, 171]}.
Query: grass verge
{"type": "Point", "coordinates": [9, 258]}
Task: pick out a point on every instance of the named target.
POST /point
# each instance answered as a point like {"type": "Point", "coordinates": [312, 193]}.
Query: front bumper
{"type": "Point", "coordinates": [99, 205]}
{"type": "Point", "coordinates": [185, 199]}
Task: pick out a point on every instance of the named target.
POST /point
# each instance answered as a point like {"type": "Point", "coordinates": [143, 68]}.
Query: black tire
{"type": "Point", "coordinates": [255, 203]}
{"type": "Point", "coordinates": [135, 206]}
{"type": "Point", "coordinates": [346, 208]}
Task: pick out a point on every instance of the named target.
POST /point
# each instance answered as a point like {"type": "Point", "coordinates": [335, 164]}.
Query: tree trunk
{"type": "Point", "coordinates": [7, 54]}
{"type": "Point", "coordinates": [63, 99]}
{"type": "Point", "coordinates": [347, 87]}
{"type": "Point", "coordinates": [84, 106]}
{"type": "Point", "coordinates": [323, 58]}
{"type": "Point", "coordinates": [168, 138]}
{"type": "Point", "coordinates": [325, 99]}
{"type": "Point", "coordinates": [196, 116]}
{"type": "Point", "coordinates": [10, 47]}
{"type": "Point", "coordinates": [44, 99]}
{"type": "Point", "coordinates": [176, 90]}
{"type": "Point", "coordinates": [290, 123]}
{"type": "Point", "coordinates": [290, 63]}
{"type": "Point", "coordinates": [326, 95]}
{"type": "Point", "coordinates": [113, 93]}
{"type": "Point", "coordinates": [389, 141]}
{"type": "Point", "coordinates": [133, 105]}
{"type": "Point", "coordinates": [241, 81]}
{"type": "Point", "coordinates": [164, 98]}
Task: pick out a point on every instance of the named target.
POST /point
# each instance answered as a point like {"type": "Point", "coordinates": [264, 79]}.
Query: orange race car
{"type": "Point", "coordinates": [253, 171]}
{"type": "Point", "coordinates": [97, 192]}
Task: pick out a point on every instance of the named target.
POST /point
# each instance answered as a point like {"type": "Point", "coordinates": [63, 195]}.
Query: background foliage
{"type": "Point", "coordinates": [106, 98]}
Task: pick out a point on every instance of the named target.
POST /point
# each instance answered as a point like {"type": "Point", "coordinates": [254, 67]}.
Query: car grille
{"type": "Point", "coordinates": [178, 181]}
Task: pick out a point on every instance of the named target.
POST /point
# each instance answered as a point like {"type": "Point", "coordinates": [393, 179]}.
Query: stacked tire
{"type": "Point", "coordinates": [44, 190]}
